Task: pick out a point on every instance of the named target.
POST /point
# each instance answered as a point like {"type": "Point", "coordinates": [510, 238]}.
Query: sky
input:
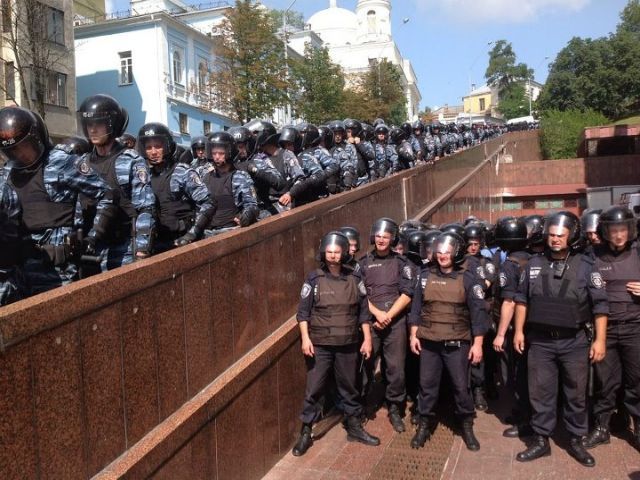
{"type": "Point", "coordinates": [447, 40]}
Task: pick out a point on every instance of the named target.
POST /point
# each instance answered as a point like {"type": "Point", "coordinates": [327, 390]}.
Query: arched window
{"type": "Point", "coordinates": [177, 66]}
{"type": "Point", "coordinates": [371, 21]}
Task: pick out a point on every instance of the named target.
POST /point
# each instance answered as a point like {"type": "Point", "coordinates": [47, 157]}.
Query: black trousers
{"type": "Point", "coordinates": [340, 361]}
{"type": "Point", "coordinates": [482, 374]}
{"type": "Point", "coordinates": [433, 357]}
{"type": "Point", "coordinates": [554, 361]}
{"type": "Point", "coordinates": [391, 344]}
{"type": "Point", "coordinates": [620, 368]}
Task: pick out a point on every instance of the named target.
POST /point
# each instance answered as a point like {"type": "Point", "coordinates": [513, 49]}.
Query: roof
{"type": "Point", "coordinates": [335, 25]}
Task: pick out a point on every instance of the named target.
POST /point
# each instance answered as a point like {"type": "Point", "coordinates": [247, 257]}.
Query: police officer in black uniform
{"type": "Point", "coordinates": [353, 235]}
{"type": "Point", "coordinates": [448, 321]}
{"type": "Point", "coordinates": [618, 268]}
{"type": "Point", "coordinates": [332, 313]}
{"type": "Point", "coordinates": [557, 297]}
{"type": "Point", "coordinates": [389, 280]}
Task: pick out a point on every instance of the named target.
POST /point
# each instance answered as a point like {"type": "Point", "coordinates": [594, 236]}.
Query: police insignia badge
{"type": "Point", "coordinates": [406, 270]}
{"type": "Point", "coordinates": [503, 279]}
{"type": "Point", "coordinates": [480, 272]}
{"type": "Point", "coordinates": [489, 267]}
{"type": "Point", "coordinates": [195, 178]}
{"type": "Point", "coordinates": [84, 168]}
{"type": "Point", "coordinates": [596, 280]}
{"type": "Point", "coordinates": [478, 292]}
{"type": "Point", "coordinates": [142, 175]}
{"type": "Point", "coordinates": [306, 290]}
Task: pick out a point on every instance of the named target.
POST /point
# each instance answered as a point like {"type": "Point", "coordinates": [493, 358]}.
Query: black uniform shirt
{"type": "Point", "coordinates": [474, 294]}
{"type": "Point", "coordinates": [509, 277]}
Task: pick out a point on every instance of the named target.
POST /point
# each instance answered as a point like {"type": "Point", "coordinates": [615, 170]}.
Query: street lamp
{"type": "Point", "coordinates": [287, 108]}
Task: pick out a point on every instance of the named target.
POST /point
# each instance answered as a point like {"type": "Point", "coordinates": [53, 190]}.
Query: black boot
{"type": "Point", "coordinates": [395, 418]}
{"type": "Point", "coordinates": [304, 441]}
{"type": "Point", "coordinates": [468, 436]}
{"type": "Point", "coordinates": [479, 399]}
{"type": "Point", "coordinates": [355, 432]}
{"type": "Point", "coordinates": [635, 440]}
{"type": "Point", "coordinates": [518, 431]}
{"type": "Point", "coordinates": [577, 451]}
{"type": "Point", "coordinates": [422, 433]}
{"type": "Point", "coordinates": [539, 448]}
{"type": "Point", "coordinates": [600, 434]}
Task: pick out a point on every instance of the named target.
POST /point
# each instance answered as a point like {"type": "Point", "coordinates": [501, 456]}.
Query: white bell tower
{"type": "Point", "coordinates": [374, 21]}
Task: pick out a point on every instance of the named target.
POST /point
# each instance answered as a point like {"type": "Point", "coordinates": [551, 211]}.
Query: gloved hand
{"type": "Point", "coordinates": [89, 246]}
{"type": "Point", "coordinates": [252, 168]}
{"type": "Point", "coordinates": [185, 239]}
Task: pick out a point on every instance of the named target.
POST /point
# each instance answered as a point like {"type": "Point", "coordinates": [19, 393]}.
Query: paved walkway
{"type": "Point", "coordinates": [332, 457]}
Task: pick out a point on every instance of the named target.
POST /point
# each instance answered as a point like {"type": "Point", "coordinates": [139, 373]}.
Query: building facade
{"type": "Point", "coordinates": [157, 65]}
{"type": "Point", "coordinates": [51, 75]}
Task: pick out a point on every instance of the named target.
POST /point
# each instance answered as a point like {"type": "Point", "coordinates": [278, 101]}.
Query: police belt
{"type": "Point", "coordinates": [555, 333]}
{"type": "Point", "coordinates": [618, 308]}
{"type": "Point", "coordinates": [340, 335]}
{"type": "Point", "coordinates": [447, 343]}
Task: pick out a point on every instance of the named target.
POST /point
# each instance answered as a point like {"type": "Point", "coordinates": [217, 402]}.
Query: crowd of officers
{"type": "Point", "coordinates": [547, 308]}
{"type": "Point", "coordinates": [106, 198]}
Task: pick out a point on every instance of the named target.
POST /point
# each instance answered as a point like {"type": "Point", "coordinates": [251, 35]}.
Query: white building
{"type": "Point", "coordinates": [358, 40]}
{"type": "Point", "coordinates": [156, 64]}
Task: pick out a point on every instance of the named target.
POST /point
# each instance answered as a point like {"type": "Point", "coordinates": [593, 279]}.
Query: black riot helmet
{"type": "Point", "coordinates": [243, 135]}
{"type": "Point", "coordinates": [354, 125]}
{"type": "Point", "coordinates": [351, 233]}
{"type": "Point", "coordinates": [418, 244]}
{"type": "Point", "coordinates": [309, 135]}
{"type": "Point", "coordinates": [198, 143]}
{"type": "Point", "coordinates": [589, 220]}
{"type": "Point", "coordinates": [411, 225]}
{"type": "Point", "coordinates": [397, 135]}
{"type": "Point", "coordinates": [446, 240]}
{"type": "Point", "coordinates": [334, 238]}
{"type": "Point", "coordinates": [127, 140]}
{"type": "Point", "coordinates": [337, 126]}
{"type": "Point", "coordinates": [510, 234]}
{"type": "Point", "coordinates": [617, 215]}
{"type": "Point", "coordinates": [23, 137]}
{"type": "Point", "coordinates": [222, 140]}
{"type": "Point", "coordinates": [418, 125]}
{"type": "Point", "coordinates": [103, 109]}
{"type": "Point", "coordinates": [326, 136]}
{"type": "Point", "coordinates": [290, 134]}
{"type": "Point", "coordinates": [156, 131]}
{"type": "Point", "coordinates": [265, 133]}
{"type": "Point", "coordinates": [474, 231]}
{"type": "Point", "coordinates": [367, 132]}
{"type": "Point", "coordinates": [456, 228]}
{"type": "Point", "coordinates": [382, 128]}
{"type": "Point", "coordinates": [430, 237]}
{"type": "Point", "coordinates": [567, 220]}
{"type": "Point", "coordinates": [384, 225]}
{"type": "Point", "coordinates": [377, 122]}
{"type": "Point", "coordinates": [535, 229]}
{"type": "Point", "coordinates": [77, 144]}
{"type": "Point", "coordinates": [407, 129]}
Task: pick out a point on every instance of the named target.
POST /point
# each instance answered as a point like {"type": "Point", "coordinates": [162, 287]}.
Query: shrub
{"type": "Point", "coordinates": [561, 131]}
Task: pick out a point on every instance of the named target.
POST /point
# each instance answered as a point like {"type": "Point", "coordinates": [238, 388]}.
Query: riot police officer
{"type": "Point", "coordinates": [323, 149]}
{"type": "Point", "coordinates": [13, 285]}
{"type": "Point", "coordinates": [448, 321]}
{"type": "Point", "coordinates": [618, 269]}
{"type": "Point", "coordinates": [417, 141]}
{"type": "Point", "coordinates": [535, 237]}
{"type": "Point", "coordinates": [198, 151]}
{"type": "Point", "coordinates": [386, 155]}
{"type": "Point", "coordinates": [232, 190]}
{"type": "Point", "coordinates": [344, 154]}
{"type": "Point", "coordinates": [559, 294]}
{"type": "Point", "coordinates": [331, 315]}
{"type": "Point", "coordinates": [76, 145]}
{"type": "Point", "coordinates": [316, 177]}
{"type": "Point", "coordinates": [47, 183]}
{"type": "Point", "coordinates": [353, 235]}
{"type": "Point", "coordinates": [103, 120]}
{"type": "Point", "coordinates": [361, 151]}
{"type": "Point", "coordinates": [589, 224]}
{"type": "Point", "coordinates": [406, 157]}
{"type": "Point", "coordinates": [184, 207]}
{"type": "Point", "coordinates": [389, 280]}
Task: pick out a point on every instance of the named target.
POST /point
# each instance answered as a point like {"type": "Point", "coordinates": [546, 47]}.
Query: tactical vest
{"type": "Point", "coordinates": [617, 271]}
{"type": "Point", "coordinates": [220, 187]}
{"type": "Point", "coordinates": [445, 315]}
{"type": "Point", "coordinates": [382, 280]}
{"type": "Point", "coordinates": [39, 211]}
{"type": "Point", "coordinates": [557, 302]}
{"type": "Point", "coordinates": [175, 212]}
{"type": "Point", "coordinates": [334, 315]}
{"type": "Point", "coordinates": [278, 163]}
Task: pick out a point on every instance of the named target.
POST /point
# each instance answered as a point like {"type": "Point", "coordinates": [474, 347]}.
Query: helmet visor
{"type": "Point", "coordinates": [22, 153]}
{"type": "Point", "coordinates": [446, 244]}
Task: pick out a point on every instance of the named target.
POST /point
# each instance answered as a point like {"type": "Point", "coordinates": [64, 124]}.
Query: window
{"type": "Point", "coordinates": [184, 123]}
{"type": "Point", "coordinates": [371, 21]}
{"type": "Point", "coordinates": [511, 205]}
{"type": "Point", "coordinates": [9, 80]}
{"type": "Point", "coordinates": [55, 25]}
{"type": "Point", "coordinates": [6, 15]}
{"type": "Point", "coordinates": [540, 204]}
{"type": "Point", "coordinates": [206, 126]}
{"type": "Point", "coordinates": [203, 76]}
{"type": "Point", "coordinates": [57, 89]}
{"type": "Point", "coordinates": [126, 68]}
{"type": "Point", "coordinates": [482, 104]}
{"type": "Point", "coordinates": [177, 66]}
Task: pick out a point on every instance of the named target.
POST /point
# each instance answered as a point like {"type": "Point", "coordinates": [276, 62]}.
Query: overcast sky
{"type": "Point", "coordinates": [446, 40]}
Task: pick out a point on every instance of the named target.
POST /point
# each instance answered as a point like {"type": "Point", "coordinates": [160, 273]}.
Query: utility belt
{"type": "Point", "coordinates": [556, 333]}
{"type": "Point", "coordinates": [448, 344]}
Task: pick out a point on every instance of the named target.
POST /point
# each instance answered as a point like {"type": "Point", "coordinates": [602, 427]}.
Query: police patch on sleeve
{"type": "Point", "coordinates": [407, 272]}
{"type": "Point", "coordinates": [596, 280]}
{"type": "Point", "coordinates": [503, 279]}
{"type": "Point", "coordinates": [480, 272]}
{"type": "Point", "coordinates": [423, 281]}
{"type": "Point", "coordinates": [362, 288]}
{"type": "Point", "coordinates": [142, 175]}
{"type": "Point", "coordinates": [490, 268]}
{"type": "Point", "coordinates": [83, 167]}
{"type": "Point", "coordinates": [478, 292]}
{"type": "Point", "coordinates": [306, 290]}
{"type": "Point", "coordinates": [195, 178]}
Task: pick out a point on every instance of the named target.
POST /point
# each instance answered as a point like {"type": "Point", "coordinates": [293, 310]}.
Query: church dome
{"type": "Point", "coordinates": [335, 25]}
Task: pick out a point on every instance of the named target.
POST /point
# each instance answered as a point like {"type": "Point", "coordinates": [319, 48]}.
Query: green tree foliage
{"type": "Point", "coordinates": [320, 86]}
{"type": "Point", "coordinates": [502, 70]}
{"type": "Point", "coordinates": [250, 76]}
{"type": "Point", "coordinates": [377, 94]}
{"type": "Point", "coordinates": [561, 131]}
{"type": "Point", "coordinates": [513, 101]}
{"type": "Point", "coordinates": [601, 74]}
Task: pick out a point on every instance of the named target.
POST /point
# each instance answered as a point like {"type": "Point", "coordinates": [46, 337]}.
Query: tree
{"type": "Point", "coordinates": [630, 18]}
{"type": "Point", "coordinates": [514, 102]}
{"type": "Point", "coordinates": [561, 131]}
{"type": "Point", "coordinates": [34, 36]}
{"type": "Point", "coordinates": [320, 86]}
{"type": "Point", "coordinates": [250, 75]}
{"type": "Point", "coordinates": [502, 70]}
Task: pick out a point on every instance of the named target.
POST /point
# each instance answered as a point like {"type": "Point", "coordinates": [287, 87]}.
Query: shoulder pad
{"type": "Point", "coordinates": [130, 152]}
{"type": "Point", "coordinates": [65, 148]}
{"type": "Point", "coordinates": [313, 274]}
{"type": "Point", "coordinates": [588, 259]}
